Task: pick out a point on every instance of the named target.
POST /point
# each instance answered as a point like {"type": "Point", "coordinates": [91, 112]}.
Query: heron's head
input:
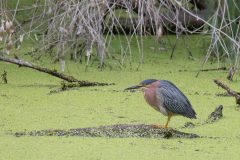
{"type": "Point", "coordinates": [142, 85]}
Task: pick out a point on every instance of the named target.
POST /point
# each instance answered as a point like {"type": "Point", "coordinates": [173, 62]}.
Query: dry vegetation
{"type": "Point", "coordinates": [76, 29]}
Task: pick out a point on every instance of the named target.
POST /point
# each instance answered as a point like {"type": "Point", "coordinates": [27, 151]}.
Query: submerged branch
{"type": "Point", "coordinates": [213, 117]}
{"type": "Point", "coordinates": [214, 69]}
{"type": "Point", "coordinates": [4, 77]}
{"type": "Point", "coordinates": [211, 69]}
{"type": "Point", "coordinates": [66, 86]}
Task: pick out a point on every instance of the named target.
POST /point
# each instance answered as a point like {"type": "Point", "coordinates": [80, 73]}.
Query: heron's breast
{"type": "Point", "coordinates": [151, 99]}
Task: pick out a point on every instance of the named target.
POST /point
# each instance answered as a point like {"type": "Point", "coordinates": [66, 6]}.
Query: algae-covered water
{"type": "Point", "coordinates": [25, 104]}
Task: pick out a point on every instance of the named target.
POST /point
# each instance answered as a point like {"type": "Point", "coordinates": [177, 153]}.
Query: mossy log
{"type": "Point", "coordinates": [22, 63]}
{"type": "Point", "coordinates": [114, 131]}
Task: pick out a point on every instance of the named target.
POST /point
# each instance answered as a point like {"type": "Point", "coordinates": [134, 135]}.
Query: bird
{"type": "Point", "coordinates": [165, 98]}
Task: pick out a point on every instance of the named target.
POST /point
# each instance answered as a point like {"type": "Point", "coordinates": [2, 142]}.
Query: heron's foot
{"type": "Point", "coordinates": [165, 126]}
{"type": "Point", "coordinates": [158, 126]}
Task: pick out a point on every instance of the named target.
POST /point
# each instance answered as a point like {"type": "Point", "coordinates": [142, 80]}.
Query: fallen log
{"type": "Point", "coordinates": [22, 63]}
{"type": "Point", "coordinates": [229, 90]}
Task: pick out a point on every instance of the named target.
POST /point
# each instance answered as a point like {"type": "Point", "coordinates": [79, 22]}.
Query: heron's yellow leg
{"type": "Point", "coordinates": [166, 124]}
{"type": "Point", "coordinates": [168, 120]}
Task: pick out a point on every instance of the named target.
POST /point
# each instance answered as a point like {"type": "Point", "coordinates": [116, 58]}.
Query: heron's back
{"type": "Point", "coordinates": [174, 100]}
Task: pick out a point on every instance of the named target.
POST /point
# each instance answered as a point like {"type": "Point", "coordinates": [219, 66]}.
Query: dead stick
{"type": "Point", "coordinates": [214, 69]}
{"type": "Point", "coordinates": [211, 69]}
{"type": "Point", "coordinates": [54, 73]}
{"type": "Point", "coordinates": [229, 90]}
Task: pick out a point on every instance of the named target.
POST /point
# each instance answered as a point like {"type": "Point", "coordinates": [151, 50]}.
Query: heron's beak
{"type": "Point", "coordinates": [133, 87]}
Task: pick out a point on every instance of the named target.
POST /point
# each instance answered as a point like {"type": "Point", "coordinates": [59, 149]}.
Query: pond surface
{"type": "Point", "coordinates": [25, 104]}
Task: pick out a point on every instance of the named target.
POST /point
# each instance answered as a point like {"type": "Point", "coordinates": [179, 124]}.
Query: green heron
{"type": "Point", "coordinates": [166, 98]}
